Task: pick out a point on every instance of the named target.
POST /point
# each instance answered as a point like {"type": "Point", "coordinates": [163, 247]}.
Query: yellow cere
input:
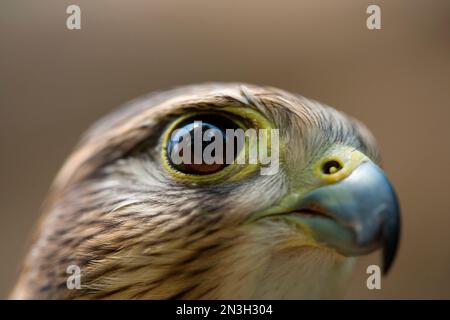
{"type": "Point", "coordinates": [347, 158]}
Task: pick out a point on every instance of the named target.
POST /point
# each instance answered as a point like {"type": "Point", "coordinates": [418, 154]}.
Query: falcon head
{"type": "Point", "coordinates": [139, 226]}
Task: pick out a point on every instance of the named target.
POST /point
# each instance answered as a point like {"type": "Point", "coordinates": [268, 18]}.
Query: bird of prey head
{"type": "Point", "coordinates": [139, 227]}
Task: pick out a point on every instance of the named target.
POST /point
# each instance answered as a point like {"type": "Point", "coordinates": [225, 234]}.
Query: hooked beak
{"type": "Point", "coordinates": [355, 215]}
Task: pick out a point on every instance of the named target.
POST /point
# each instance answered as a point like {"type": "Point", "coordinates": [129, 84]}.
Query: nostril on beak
{"type": "Point", "coordinates": [331, 167]}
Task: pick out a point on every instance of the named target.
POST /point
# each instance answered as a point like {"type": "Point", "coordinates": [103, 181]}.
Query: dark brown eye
{"type": "Point", "coordinates": [199, 145]}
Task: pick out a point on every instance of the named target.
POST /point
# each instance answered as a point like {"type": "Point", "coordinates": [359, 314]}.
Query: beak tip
{"type": "Point", "coordinates": [389, 253]}
{"type": "Point", "coordinates": [391, 236]}
{"type": "Point", "coordinates": [387, 264]}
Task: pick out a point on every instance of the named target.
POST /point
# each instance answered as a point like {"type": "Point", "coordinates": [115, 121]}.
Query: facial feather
{"type": "Point", "coordinates": [136, 232]}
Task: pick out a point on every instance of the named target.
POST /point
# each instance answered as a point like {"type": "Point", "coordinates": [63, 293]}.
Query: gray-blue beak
{"type": "Point", "coordinates": [365, 207]}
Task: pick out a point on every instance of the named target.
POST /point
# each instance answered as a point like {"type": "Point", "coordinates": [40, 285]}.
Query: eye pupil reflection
{"type": "Point", "coordinates": [207, 130]}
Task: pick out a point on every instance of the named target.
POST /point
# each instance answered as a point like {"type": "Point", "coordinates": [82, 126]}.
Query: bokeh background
{"type": "Point", "coordinates": [55, 82]}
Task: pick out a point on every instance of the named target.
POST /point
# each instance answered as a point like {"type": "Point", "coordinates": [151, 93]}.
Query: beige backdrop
{"type": "Point", "coordinates": [55, 82]}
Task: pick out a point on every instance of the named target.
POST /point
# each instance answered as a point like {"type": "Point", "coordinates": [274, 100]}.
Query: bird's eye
{"type": "Point", "coordinates": [198, 145]}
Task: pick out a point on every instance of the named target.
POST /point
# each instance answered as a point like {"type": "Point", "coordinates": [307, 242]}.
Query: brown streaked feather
{"type": "Point", "coordinates": [137, 233]}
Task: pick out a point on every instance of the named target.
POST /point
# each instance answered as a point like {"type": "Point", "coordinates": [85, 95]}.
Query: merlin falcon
{"type": "Point", "coordinates": [139, 226]}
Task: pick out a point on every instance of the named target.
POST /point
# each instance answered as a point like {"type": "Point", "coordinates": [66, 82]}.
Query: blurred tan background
{"type": "Point", "coordinates": [55, 82]}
